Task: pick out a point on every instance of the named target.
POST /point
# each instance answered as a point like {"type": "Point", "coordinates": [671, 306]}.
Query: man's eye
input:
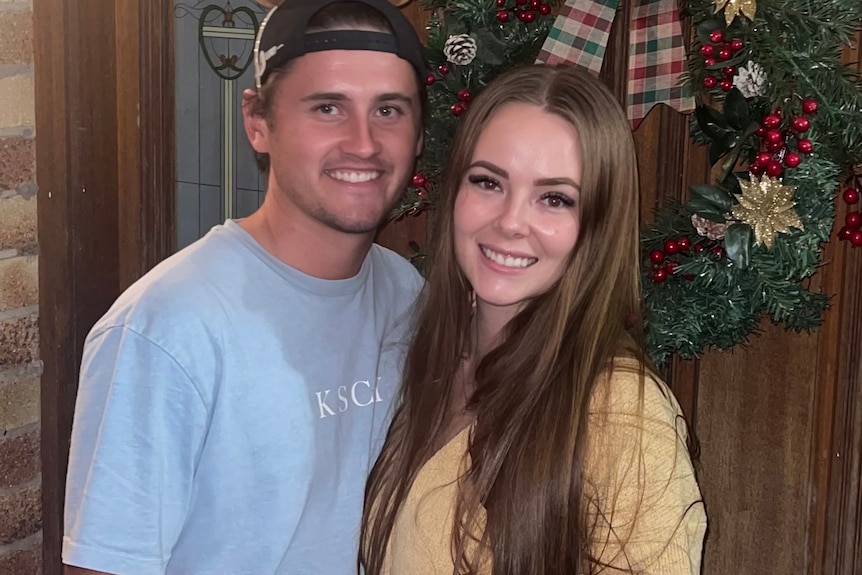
{"type": "Point", "coordinates": [326, 108]}
{"type": "Point", "coordinates": [389, 111]}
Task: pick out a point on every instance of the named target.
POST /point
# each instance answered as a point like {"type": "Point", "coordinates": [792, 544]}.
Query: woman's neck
{"type": "Point", "coordinates": [488, 324]}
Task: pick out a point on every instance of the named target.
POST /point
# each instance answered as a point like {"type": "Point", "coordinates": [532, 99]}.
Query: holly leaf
{"type": "Point", "coordinates": [489, 49]}
{"type": "Point", "coordinates": [730, 162]}
{"type": "Point", "coordinates": [736, 110]}
{"type": "Point", "coordinates": [706, 209]}
{"type": "Point", "coordinates": [711, 122]}
{"type": "Point", "coordinates": [454, 26]}
{"type": "Point", "coordinates": [714, 195]}
{"type": "Point", "coordinates": [737, 241]}
{"type": "Point", "coordinates": [432, 55]}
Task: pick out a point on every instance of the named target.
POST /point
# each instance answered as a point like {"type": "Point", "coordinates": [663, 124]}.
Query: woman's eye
{"type": "Point", "coordinates": [484, 182]}
{"type": "Point", "coordinates": [558, 200]}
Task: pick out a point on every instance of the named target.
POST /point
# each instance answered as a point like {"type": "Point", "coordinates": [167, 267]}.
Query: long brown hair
{"type": "Point", "coordinates": [533, 390]}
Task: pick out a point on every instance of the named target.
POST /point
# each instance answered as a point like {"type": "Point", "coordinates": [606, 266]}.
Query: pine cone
{"type": "Point", "coordinates": [460, 49]}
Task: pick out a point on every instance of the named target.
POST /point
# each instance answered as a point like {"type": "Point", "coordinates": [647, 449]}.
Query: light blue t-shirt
{"type": "Point", "coordinates": [229, 410]}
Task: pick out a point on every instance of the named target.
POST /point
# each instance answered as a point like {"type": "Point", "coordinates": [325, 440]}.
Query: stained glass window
{"type": "Point", "coordinates": [217, 177]}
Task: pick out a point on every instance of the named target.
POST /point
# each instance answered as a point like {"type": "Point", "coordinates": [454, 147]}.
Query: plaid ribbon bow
{"type": "Point", "coordinates": [656, 50]}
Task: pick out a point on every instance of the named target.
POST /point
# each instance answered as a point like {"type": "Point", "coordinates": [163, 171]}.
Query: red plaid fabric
{"type": "Point", "coordinates": [656, 60]}
{"type": "Point", "coordinates": [657, 56]}
{"type": "Point", "coordinates": [580, 34]}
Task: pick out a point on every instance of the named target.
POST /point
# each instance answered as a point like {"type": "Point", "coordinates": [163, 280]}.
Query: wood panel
{"type": "Point", "coordinates": [836, 522]}
{"type": "Point", "coordinates": [145, 131]}
{"type": "Point", "coordinates": [104, 113]}
{"type": "Point", "coordinates": [76, 154]}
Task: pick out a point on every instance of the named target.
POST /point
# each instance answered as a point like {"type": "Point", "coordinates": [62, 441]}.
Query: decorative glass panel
{"type": "Point", "coordinates": [217, 177]}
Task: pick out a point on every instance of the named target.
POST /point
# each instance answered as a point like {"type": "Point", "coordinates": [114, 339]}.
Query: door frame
{"type": "Point", "coordinates": [105, 169]}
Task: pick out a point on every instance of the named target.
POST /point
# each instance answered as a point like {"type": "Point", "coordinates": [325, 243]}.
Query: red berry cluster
{"type": "Point", "coordinates": [464, 94]}
{"type": "Point", "coordinates": [664, 267]}
{"type": "Point", "coordinates": [852, 230]}
{"type": "Point", "coordinates": [720, 50]}
{"type": "Point", "coordinates": [442, 70]}
{"type": "Point", "coordinates": [460, 106]}
{"type": "Point", "coordinates": [420, 182]}
{"type": "Point", "coordinates": [524, 10]}
{"type": "Point", "coordinates": [774, 155]}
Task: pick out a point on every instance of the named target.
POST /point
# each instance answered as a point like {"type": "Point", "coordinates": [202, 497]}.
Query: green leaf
{"type": "Point", "coordinates": [729, 163]}
{"type": "Point", "coordinates": [714, 195]}
{"type": "Point", "coordinates": [707, 26]}
{"type": "Point", "coordinates": [711, 122]}
{"type": "Point", "coordinates": [454, 26]}
{"type": "Point", "coordinates": [716, 150]}
{"type": "Point", "coordinates": [489, 49]}
{"type": "Point", "coordinates": [433, 55]}
{"type": "Point", "coordinates": [706, 209]}
{"type": "Point", "coordinates": [737, 241]}
{"type": "Point", "coordinates": [736, 110]}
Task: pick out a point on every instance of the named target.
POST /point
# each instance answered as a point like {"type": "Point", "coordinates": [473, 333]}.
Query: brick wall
{"type": "Point", "coordinates": [20, 492]}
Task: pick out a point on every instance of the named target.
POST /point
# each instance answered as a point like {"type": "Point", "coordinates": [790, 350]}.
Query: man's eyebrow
{"type": "Point", "coordinates": [331, 96]}
{"type": "Point", "coordinates": [399, 96]}
{"type": "Point", "coordinates": [339, 97]}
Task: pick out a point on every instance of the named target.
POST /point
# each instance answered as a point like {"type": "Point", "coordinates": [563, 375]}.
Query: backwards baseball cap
{"type": "Point", "coordinates": [283, 36]}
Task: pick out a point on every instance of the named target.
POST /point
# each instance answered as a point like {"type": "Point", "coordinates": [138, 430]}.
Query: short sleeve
{"type": "Point", "coordinates": [642, 498]}
{"type": "Point", "coordinates": [139, 426]}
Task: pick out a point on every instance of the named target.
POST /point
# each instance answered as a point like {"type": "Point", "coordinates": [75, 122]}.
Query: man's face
{"type": "Point", "coordinates": [342, 137]}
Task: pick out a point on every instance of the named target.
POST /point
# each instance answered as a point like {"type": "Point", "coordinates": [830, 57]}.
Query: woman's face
{"type": "Point", "coordinates": [516, 218]}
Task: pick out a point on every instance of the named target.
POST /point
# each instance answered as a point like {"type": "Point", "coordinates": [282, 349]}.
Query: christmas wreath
{"type": "Point", "coordinates": [780, 113]}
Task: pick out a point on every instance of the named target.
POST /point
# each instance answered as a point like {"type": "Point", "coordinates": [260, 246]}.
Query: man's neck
{"type": "Point", "coordinates": [307, 244]}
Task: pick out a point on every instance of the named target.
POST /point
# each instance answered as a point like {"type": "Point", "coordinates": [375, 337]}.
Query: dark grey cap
{"type": "Point", "coordinates": [283, 37]}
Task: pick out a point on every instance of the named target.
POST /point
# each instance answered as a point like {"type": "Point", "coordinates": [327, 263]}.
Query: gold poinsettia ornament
{"type": "Point", "coordinates": [733, 8]}
{"type": "Point", "coordinates": [767, 206]}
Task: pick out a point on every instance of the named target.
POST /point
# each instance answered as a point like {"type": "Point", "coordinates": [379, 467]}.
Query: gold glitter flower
{"type": "Point", "coordinates": [767, 206]}
{"type": "Point", "coordinates": [732, 8]}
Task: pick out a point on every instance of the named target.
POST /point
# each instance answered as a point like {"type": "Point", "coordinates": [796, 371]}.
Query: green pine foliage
{"type": "Point", "coordinates": [500, 45]}
{"type": "Point", "coordinates": [798, 46]}
{"type": "Point", "coordinates": [713, 292]}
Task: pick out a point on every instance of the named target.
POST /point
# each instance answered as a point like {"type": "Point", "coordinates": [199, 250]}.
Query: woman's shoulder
{"type": "Point", "coordinates": [629, 395]}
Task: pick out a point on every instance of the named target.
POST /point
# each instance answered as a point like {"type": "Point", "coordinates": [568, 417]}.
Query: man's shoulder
{"type": "Point", "coordinates": [182, 290]}
{"type": "Point", "coordinates": [397, 269]}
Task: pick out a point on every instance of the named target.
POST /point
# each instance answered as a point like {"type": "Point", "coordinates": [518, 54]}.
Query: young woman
{"type": "Point", "coordinates": [532, 438]}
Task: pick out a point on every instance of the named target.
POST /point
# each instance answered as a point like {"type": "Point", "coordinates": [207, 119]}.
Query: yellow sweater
{"type": "Point", "coordinates": [637, 466]}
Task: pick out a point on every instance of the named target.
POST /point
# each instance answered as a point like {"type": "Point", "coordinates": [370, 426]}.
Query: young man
{"type": "Point", "coordinates": [233, 400]}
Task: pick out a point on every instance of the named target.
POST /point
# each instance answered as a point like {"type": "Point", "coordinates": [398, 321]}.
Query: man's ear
{"type": "Point", "coordinates": [256, 128]}
{"type": "Point", "coordinates": [420, 143]}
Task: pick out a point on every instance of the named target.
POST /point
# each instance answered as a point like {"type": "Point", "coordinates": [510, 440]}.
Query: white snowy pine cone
{"type": "Point", "coordinates": [750, 80]}
{"type": "Point", "coordinates": [460, 49]}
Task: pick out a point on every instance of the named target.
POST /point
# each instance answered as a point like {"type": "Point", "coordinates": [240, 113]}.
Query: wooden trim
{"type": "Point", "coordinates": [145, 135]}
{"type": "Point", "coordinates": [76, 156]}
{"type": "Point", "coordinates": [157, 163]}
{"type": "Point", "coordinates": [105, 168]}
{"type": "Point", "coordinates": [55, 321]}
